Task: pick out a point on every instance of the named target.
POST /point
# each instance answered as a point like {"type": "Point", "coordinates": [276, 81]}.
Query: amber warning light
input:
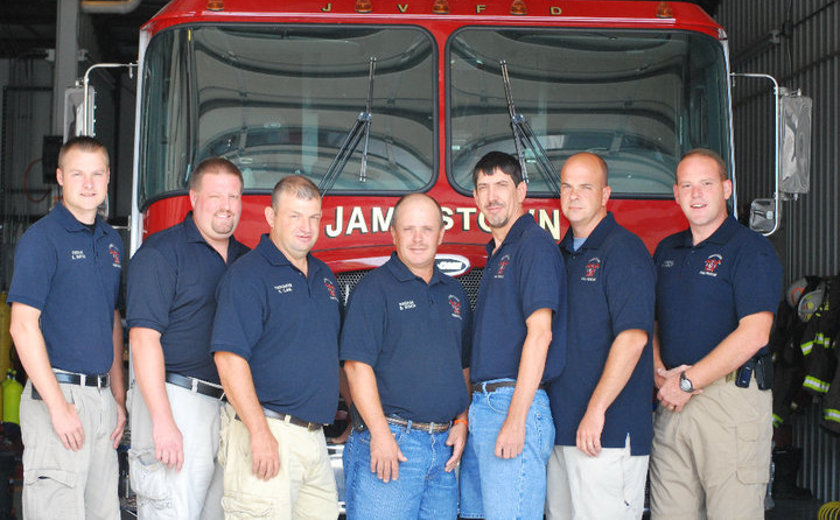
{"type": "Point", "coordinates": [663, 10]}
{"type": "Point", "coordinates": [364, 6]}
{"type": "Point", "coordinates": [440, 7]}
{"type": "Point", "coordinates": [215, 5]}
{"type": "Point", "coordinates": [518, 7]}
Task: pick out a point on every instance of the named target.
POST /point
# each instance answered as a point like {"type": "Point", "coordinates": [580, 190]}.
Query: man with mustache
{"type": "Point", "coordinates": [405, 346]}
{"type": "Point", "coordinates": [175, 406]}
{"type": "Point", "coordinates": [519, 340]}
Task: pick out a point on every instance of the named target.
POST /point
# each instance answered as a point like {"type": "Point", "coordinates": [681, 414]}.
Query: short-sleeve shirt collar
{"type": "Point", "coordinates": [69, 222]}
{"type": "Point", "coordinates": [515, 232]}
{"type": "Point", "coordinates": [595, 239]}
{"type": "Point", "coordinates": [403, 274]}
{"type": "Point", "coordinates": [272, 254]}
{"type": "Point", "coordinates": [721, 236]}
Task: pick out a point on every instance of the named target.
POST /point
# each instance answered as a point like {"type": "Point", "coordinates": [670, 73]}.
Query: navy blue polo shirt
{"type": "Point", "coordinates": [703, 290]}
{"type": "Point", "coordinates": [286, 326]}
{"type": "Point", "coordinates": [72, 275]}
{"type": "Point", "coordinates": [172, 282]}
{"type": "Point", "coordinates": [525, 274]}
{"type": "Point", "coordinates": [611, 282]}
{"type": "Point", "coordinates": [416, 336]}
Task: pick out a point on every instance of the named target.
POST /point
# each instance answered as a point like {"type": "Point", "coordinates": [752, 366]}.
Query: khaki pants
{"type": "Point", "coordinates": [712, 460]}
{"type": "Point", "coordinates": [166, 494]}
{"type": "Point", "coordinates": [611, 485]}
{"type": "Point", "coordinates": [305, 488]}
{"type": "Point", "coordinates": [66, 484]}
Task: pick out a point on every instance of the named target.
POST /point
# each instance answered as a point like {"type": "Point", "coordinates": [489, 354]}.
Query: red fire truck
{"type": "Point", "coordinates": [372, 99]}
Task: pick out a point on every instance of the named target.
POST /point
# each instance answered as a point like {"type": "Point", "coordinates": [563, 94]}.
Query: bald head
{"type": "Point", "coordinates": [584, 192]}
{"type": "Point", "coordinates": [415, 200]}
{"type": "Point", "coordinates": [591, 162]}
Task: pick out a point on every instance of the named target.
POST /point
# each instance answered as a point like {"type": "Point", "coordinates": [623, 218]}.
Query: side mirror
{"type": "Point", "coordinates": [792, 154]}
{"type": "Point", "coordinates": [795, 148]}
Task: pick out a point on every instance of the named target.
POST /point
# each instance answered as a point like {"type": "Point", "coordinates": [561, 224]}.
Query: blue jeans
{"type": "Point", "coordinates": [422, 491]}
{"type": "Point", "coordinates": [505, 489]}
{"type": "Point", "coordinates": [348, 461]}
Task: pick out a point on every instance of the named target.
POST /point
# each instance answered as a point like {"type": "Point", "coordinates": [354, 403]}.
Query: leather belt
{"type": "Point", "coordinates": [291, 419]}
{"type": "Point", "coordinates": [195, 385]}
{"type": "Point", "coordinates": [428, 427]}
{"type": "Point", "coordinates": [490, 387]}
{"type": "Point", "coordinates": [71, 378]}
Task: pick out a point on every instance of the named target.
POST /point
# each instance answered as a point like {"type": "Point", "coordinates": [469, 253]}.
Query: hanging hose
{"type": "Point", "coordinates": [829, 511]}
{"type": "Point", "coordinates": [29, 196]}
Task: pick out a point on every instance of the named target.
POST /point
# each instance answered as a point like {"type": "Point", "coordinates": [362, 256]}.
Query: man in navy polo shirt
{"type": "Point", "coordinates": [601, 407]}
{"type": "Point", "coordinates": [718, 287]}
{"type": "Point", "coordinates": [519, 341]}
{"type": "Point", "coordinates": [405, 347]}
{"type": "Point", "coordinates": [171, 303]}
{"type": "Point", "coordinates": [68, 336]}
{"type": "Point", "coordinates": [275, 343]}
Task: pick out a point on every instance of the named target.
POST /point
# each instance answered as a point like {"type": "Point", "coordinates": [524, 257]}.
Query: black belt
{"type": "Point", "coordinates": [72, 378]}
{"type": "Point", "coordinates": [291, 419]}
{"type": "Point", "coordinates": [428, 427]}
{"type": "Point", "coordinates": [195, 385]}
{"type": "Point", "coordinates": [97, 380]}
{"type": "Point", "coordinates": [490, 387]}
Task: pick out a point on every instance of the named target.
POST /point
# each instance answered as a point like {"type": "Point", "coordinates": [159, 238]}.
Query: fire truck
{"type": "Point", "coordinates": [373, 99]}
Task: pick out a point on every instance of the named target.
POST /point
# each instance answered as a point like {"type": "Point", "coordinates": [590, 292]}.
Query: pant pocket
{"type": "Point", "coordinates": [148, 480]}
{"type": "Point", "coordinates": [752, 461]}
{"type": "Point", "coordinates": [50, 493]}
{"type": "Point", "coordinates": [243, 506]}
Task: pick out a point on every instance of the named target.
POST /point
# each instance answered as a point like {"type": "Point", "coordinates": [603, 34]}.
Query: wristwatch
{"type": "Point", "coordinates": [685, 383]}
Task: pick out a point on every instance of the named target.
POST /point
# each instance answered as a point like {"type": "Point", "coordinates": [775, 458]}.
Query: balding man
{"type": "Point", "coordinates": [602, 404]}
{"type": "Point", "coordinates": [405, 345]}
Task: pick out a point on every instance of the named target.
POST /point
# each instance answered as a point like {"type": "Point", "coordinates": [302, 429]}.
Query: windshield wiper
{"type": "Point", "coordinates": [523, 135]}
{"type": "Point", "coordinates": [360, 128]}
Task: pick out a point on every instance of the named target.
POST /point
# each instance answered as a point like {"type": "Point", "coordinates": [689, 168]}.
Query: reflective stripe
{"type": "Point", "coordinates": [815, 384]}
{"type": "Point", "coordinates": [777, 421]}
{"type": "Point", "coordinates": [832, 415]}
{"type": "Point", "coordinates": [807, 347]}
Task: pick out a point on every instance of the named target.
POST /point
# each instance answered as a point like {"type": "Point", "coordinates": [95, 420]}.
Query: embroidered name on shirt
{"type": "Point", "coordinates": [590, 270]}
{"type": "Point", "coordinates": [711, 265]}
{"type": "Point", "coordinates": [77, 254]}
{"type": "Point", "coordinates": [283, 288]}
{"type": "Point", "coordinates": [408, 304]}
{"type": "Point", "coordinates": [668, 263]}
{"type": "Point", "coordinates": [503, 263]}
{"type": "Point", "coordinates": [455, 305]}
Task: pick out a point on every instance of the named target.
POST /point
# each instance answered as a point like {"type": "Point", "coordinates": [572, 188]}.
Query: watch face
{"type": "Point", "coordinates": [685, 385]}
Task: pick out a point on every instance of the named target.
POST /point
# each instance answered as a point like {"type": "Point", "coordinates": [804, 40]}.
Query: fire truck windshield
{"type": "Point", "coordinates": [639, 99]}
{"type": "Point", "coordinates": [278, 100]}
{"type": "Point", "coordinates": [281, 99]}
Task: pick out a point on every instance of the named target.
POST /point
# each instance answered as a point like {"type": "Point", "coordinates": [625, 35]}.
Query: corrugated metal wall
{"type": "Point", "coordinates": [798, 42]}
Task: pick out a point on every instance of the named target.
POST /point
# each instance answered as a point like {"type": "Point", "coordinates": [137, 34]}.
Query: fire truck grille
{"type": "Point", "coordinates": [470, 281]}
